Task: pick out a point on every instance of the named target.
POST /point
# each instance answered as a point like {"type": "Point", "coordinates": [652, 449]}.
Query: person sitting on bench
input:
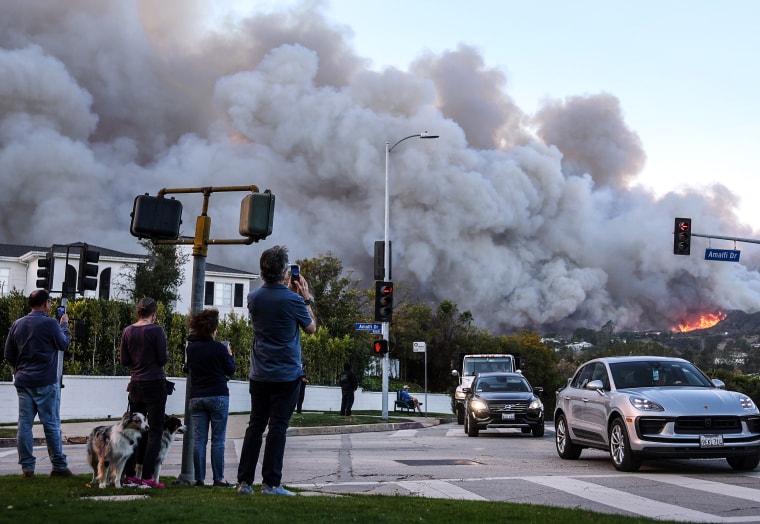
{"type": "Point", "coordinates": [410, 400]}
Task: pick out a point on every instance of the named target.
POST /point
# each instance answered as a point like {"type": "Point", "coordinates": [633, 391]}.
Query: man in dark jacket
{"type": "Point", "coordinates": [32, 350]}
{"type": "Point", "coordinates": [348, 384]}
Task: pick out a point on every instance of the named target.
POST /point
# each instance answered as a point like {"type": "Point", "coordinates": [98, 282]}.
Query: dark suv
{"type": "Point", "coordinates": [503, 400]}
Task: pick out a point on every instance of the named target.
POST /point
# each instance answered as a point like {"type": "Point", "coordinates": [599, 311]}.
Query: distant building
{"type": "Point", "coordinates": [577, 347]}
{"type": "Point", "coordinates": [225, 288]}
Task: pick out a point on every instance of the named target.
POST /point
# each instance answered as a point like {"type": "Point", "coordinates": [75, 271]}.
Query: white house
{"type": "Point", "coordinates": [225, 288]}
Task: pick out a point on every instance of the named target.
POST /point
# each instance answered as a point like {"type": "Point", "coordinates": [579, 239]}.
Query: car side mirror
{"type": "Point", "coordinates": [538, 390]}
{"type": "Point", "coordinates": [595, 385]}
{"type": "Point", "coordinates": [719, 383]}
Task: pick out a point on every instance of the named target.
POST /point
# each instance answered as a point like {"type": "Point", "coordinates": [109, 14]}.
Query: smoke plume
{"type": "Point", "coordinates": [525, 220]}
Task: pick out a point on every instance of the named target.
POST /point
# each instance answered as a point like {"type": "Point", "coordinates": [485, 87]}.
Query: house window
{"type": "Point", "coordinates": [238, 295]}
{"type": "Point", "coordinates": [223, 295]}
{"type": "Point", "coordinates": [208, 299]}
{"type": "Point", "coordinates": [104, 286]}
{"type": "Point", "coordinates": [5, 280]}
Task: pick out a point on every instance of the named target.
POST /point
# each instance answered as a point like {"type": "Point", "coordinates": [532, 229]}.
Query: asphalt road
{"type": "Point", "coordinates": [503, 465]}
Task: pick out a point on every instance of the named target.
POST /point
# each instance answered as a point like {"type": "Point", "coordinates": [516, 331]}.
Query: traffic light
{"type": "Point", "coordinates": [256, 215]}
{"type": "Point", "coordinates": [682, 237]}
{"type": "Point", "coordinates": [156, 217]}
{"type": "Point", "coordinates": [88, 269]}
{"type": "Point", "coordinates": [383, 301]}
{"type": "Point", "coordinates": [381, 347]}
{"type": "Point", "coordinates": [45, 267]}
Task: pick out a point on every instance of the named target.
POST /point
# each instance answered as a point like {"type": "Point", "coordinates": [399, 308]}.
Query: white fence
{"type": "Point", "coordinates": [86, 397]}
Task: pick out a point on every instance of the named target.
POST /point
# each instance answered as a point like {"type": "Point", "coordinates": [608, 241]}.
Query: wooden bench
{"type": "Point", "coordinates": [402, 405]}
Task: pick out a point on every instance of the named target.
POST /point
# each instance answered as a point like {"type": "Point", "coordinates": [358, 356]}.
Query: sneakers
{"type": "Point", "coordinates": [223, 484]}
{"type": "Point", "coordinates": [27, 474]}
{"type": "Point", "coordinates": [150, 483]}
{"type": "Point", "coordinates": [61, 473]}
{"type": "Point", "coordinates": [132, 482]}
{"type": "Point", "coordinates": [279, 490]}
{"type": "Point", "coordinates": [245, 489]}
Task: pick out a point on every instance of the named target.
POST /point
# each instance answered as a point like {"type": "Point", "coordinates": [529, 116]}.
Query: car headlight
{"type": "Point", "coordinates": [643, 404]}
{"type": "Point", "coordinates": [747, 403]}
{"type": "Point", "coordinates": [459, 394]}
{"type": "Point", "coordinates": [478, 405]}
{"type": "Point", "coordinates": [536, 404]}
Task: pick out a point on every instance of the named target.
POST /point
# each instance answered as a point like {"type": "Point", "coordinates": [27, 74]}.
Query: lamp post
{"type": "Point", "coordinates": [387, 257]}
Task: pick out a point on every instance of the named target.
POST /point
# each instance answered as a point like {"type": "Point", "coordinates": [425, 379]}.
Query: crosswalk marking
{"type": "Point", "coordinates": [438, 489]}
{"type": "Point", "coordinates": [628, 502]}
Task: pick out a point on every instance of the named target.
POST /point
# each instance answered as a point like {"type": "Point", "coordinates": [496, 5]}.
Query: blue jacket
{"type": "Point", "coordinates": [32, 349]}
{"type": "Point", "coordinates": [278, 315]}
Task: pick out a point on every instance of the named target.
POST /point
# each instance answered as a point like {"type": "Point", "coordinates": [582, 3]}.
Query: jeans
{"type": "Point", "coordinates": [149, 398]}
{"type": "Point", "coordinates": [44, 401]}
{"type": "Point", "coordinates": [213, 410]}
{"type": "Point", "coordinates": [272, 404]}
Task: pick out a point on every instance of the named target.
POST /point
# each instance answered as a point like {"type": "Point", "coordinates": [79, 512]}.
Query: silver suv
{"type": "Point", "coordinates": [642, 408]}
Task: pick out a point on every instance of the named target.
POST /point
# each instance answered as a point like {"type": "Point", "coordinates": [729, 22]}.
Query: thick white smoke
{"type": "Point", "coordinates": [526, 220]}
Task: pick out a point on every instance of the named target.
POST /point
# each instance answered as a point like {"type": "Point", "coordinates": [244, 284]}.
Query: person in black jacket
{"type": "Point", "coordinates": [348, 384]}
{"type": "Point", "coordinates": [209, 363]}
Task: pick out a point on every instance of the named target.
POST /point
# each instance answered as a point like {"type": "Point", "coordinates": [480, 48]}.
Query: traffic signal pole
{"type": "Point", "coordinates": [256, 224]}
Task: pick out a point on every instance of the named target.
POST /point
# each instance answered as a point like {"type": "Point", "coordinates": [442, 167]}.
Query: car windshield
{"type": "Point", "coordinates": [642, 374]}
{"type": "Point", "coordinates": [472, 367]}
{"type": "Point", "coordinates": [502, 384]}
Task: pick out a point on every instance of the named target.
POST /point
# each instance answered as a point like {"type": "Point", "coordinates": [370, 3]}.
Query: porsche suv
{"type": "Point", "coordinates": [503, 400]}
{"type": "Point", "coordinates": [643, 408]}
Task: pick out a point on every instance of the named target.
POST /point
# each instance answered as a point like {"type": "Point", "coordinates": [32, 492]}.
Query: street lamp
{"type": "Point", "coordinates": [387, 257]}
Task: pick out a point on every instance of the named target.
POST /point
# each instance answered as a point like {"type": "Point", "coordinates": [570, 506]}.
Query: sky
{"type": "Point", "coordinates": [569, 140]}
{"type": "Point", "coordinates": [685, 71]}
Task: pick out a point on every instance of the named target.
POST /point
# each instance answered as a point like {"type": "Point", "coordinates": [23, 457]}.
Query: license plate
{"type": "Point", "coordinates": [711, 441]}
{"type": "Point", "coordinates": [507, 416]}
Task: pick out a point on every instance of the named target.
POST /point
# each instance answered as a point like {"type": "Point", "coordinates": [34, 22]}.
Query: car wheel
{"type": "Point", "coordinates": [565, 447]}
{"type": "Point", "coordinates": [620, 448]}
{"type": "Point", "coordinates": [747, 463]}
{"type": "Point", "coordinates": [472, 429]}
{"type": "Point", "coordinates": [460, 415]}
{"type": "Point", "coordinates": [466, 426]}
{"type": "Point", "coordinates": [538, 431]}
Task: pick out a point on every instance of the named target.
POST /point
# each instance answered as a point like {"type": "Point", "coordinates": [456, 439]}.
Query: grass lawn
{"type": "Point", "coordinates": [45, 499]}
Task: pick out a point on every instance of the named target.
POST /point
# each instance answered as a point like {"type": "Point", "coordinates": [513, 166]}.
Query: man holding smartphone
{"type": "Point", "coordinates": [279, 310]}
{"type": "Point", "coordinates": [32, 349]}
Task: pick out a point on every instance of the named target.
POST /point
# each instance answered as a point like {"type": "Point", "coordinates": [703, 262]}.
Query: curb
{"type": "Point", "coordinates": [292, 431]}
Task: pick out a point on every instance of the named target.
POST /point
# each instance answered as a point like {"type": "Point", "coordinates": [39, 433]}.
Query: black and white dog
{"type": "Point", "coordinates": [173, 426]}
{"type": "Point", "coordinates": [109, 447]}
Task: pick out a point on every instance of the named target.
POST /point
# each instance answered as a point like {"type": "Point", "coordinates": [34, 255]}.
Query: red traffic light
{"type": "Point", "coordinates": [383, 301]}
{"type": "Point", "coordinates": [682, 236]}
{"type": "Point", "coordinates": [381, 347]}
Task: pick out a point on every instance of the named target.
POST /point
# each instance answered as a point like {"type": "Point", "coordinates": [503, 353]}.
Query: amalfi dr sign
{"type": "Point", "coordinates": [722, 255]}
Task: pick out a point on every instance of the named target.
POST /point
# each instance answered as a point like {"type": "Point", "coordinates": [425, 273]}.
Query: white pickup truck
{"type": "Point", "coordinates": [474, 364]}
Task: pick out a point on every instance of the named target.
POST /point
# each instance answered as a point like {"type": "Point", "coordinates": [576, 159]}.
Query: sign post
{"type": "Point", "coordinates": [421, 347]}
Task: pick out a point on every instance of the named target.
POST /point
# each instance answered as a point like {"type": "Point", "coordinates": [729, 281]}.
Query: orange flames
{"type": "Point", "coordinates": [703, 322]}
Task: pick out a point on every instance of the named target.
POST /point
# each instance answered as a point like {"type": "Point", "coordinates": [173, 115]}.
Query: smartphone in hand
{"type": "Point", "coordinates": [295, 272]}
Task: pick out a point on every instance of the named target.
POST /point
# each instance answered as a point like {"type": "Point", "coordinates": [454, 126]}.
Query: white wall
{"type": "Point", "coordinates": [84, 397]}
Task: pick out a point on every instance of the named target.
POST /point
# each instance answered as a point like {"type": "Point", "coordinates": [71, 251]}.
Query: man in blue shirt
{"type": "Point", "coordinates": [32, 350]}
{"type": "Point", "coordinates": [279, 312]}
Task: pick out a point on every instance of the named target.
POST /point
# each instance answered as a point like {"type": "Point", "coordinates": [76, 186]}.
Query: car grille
{"type": "Point", "coordinates": [753, 424]}
{"type": "Point", "coordinates": [501, 406]}
{"type": "Point", "coordinates": [711, 424]}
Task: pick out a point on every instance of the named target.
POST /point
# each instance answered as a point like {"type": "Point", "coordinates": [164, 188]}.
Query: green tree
{"type": "Point", "coordinates": [337, 300]}
{"type": "Point", "coordinates": [160, 276]}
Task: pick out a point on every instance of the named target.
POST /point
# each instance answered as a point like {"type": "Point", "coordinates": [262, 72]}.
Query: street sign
{"type": "Point", "coordinates": [419, 347]}
{"type": "Point", "coordinates": [373, 328]}
{"type": "Point", "coordinates": [723, 255]}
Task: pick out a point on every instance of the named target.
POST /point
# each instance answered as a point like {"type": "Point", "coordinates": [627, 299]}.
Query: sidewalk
{"type": "Point", "coordinates": [77, 432]}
